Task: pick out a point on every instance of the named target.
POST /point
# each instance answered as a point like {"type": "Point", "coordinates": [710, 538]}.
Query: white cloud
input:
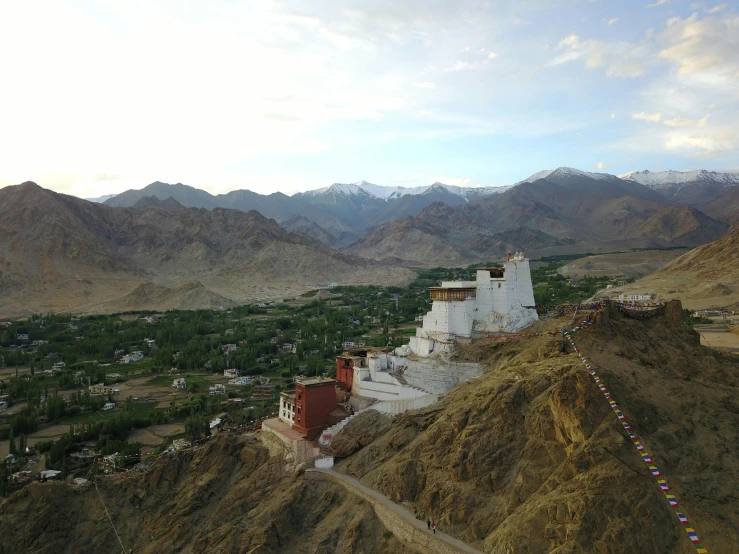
{"type": "Point", "coordinates": [613, 116]}
{"type": "Point", "coordinates": [700, 45]}
{"type": "Point", "coordinates": [492, 55]}
{"type": "Point", "coordinates": [611, 21]}
{"type": "Point", "coordinates": [426, 85]}
{"type": "Point", "coordinates": [677, 122]}
{"type": "Point", "coordinates": [643, 116]}
{"type": "Point", "coordinates": [658, 3]}
{"type": "Point", "coordinates": [621, 59]}
{"type": "Point", "coordinates": [601, 166]}
{"type": "Point", "coordinates": [717, 8]}
{"type": "Point", "coordinates": [455, 181]}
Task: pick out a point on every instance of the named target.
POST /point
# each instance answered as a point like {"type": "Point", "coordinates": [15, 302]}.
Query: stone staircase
{"type": "Point", "coordinates": [401, 379]}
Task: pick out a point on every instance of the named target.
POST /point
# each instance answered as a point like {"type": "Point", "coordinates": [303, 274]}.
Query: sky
{"type": "Point", "coordinates": [102, 96]}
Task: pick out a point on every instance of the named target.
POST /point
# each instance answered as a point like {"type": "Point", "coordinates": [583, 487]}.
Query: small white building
{"type": "Point", "coordinates": [218, 388]}
{"type": "Point", "coordinates": [240, 381]}
{"type": "Point", "coordinates": [230, 372]}
{"type": "Point", "coordinates": [132, 357]}
{"type": "Point", "coordinates": [22, 336]}
{"type": "Point", "coordinates": [109, 406]}
{"type": "Point", "coordinates": [636, 297]}
{"type": "Point", "coordinates": [179, 383]}
{"type": "Point", "coordinates": [229, 348]}
{"type": "Point", "coordinates": [287, 408]}
{"type": "Point", "coordinates": [347, 344]}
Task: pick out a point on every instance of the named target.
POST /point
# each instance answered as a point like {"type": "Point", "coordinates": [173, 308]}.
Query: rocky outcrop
{"type": "Point", "coordinates": [359, 432]}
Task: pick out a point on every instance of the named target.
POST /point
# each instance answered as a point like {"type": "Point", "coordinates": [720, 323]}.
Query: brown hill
{"type": "Point", "coordinates": [707, 276]}
{"type": "Point", "coordinates": [724, 208]}
{"type": "Point", "coordinates": [58, 252]}
{"type": "Point", "coordinates": [528, 458]}
{"type": "Point", "coordinates": [681, 226]}
{"type": "Point", "coordinates": [230, 496]}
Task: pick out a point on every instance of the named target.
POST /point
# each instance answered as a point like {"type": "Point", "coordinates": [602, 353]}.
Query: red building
{"type": "Point", "coordinates": [345, 371]}
{"type": "Point", "coordinates": [315, 399]}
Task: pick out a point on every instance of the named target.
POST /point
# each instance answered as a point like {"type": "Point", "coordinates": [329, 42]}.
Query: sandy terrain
{"type": "Point", "coordinates": [630, 264]}
{"type": "Point", "coordinates": [720, 340]}
{"type": "Point", "coordinates": [156, 434]}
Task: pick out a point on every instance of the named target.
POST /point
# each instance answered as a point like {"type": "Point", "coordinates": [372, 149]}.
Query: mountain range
{"type": "Point", "coordinates": [61, 253]}
{"type": "Point", "coordinates": [351, 216]}
{"type": "Point", "coordinates": [168, 246]}
{"type": "Point", "coordinates": [552, 212]}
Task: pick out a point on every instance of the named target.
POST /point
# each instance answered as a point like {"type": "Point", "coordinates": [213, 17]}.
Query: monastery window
{"type": "Point", "coordinates": [498, 285]}
{"type": "Point", "coordinates": [346, 363]}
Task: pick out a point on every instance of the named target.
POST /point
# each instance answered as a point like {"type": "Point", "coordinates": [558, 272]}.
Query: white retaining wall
{"type": "Point", "coordinates": [437, 375]}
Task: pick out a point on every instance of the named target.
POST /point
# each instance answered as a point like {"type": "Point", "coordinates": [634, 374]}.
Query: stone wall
{"type": "Point", "coordinates": [395, 407]}
{"type": "Point", "coordinates": [438, 375]}
{"type": "Point", "coordinates": [406, 528]}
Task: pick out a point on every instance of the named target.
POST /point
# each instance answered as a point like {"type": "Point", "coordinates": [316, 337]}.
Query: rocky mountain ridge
{"type": "Point", "coordinates": [58, 252]}
{"type": "Point", "coordinates": [347, 212]}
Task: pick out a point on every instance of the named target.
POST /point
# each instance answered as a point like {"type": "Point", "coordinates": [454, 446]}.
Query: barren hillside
{"type": "Point", "coordinates": [707, 276]}
{"type": "Point", "coordinates": [59, 253]}
{"type": "Point", "coordinates": [529, 458]}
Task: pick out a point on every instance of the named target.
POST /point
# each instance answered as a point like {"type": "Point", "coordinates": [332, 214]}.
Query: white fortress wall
{"type": "Point", "coordinates": [388, 391]}
{"type": "Point", "coordinates": [438, 375]}
{"type": "Point", "coordinates": [400, 406]}
{"type": "Point", "coordinates": [449, 317]}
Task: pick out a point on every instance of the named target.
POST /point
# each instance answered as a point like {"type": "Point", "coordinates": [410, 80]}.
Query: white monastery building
{"type": "Point", "coordinates": [414, 375]}
{"type": "Point", "coordinates": [493, 302]}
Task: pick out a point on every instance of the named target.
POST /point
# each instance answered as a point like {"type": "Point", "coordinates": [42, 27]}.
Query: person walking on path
{"type": "Point", "coordinates": [433, 526]}
{"type": "Point", "coordinates": [428, 522]}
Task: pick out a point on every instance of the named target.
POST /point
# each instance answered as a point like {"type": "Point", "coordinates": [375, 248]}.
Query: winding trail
{"type": "Point", "coordinates": [394, 517]}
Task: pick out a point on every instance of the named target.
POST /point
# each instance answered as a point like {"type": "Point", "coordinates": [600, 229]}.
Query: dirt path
{"type": "Point", "coordinates": [394, 517]}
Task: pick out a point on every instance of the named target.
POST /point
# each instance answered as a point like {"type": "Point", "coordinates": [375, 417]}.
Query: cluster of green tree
{"type": "Point", "coordinates": [551, 287]}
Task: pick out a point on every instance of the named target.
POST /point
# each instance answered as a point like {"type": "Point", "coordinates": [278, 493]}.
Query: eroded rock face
{"type": "Point", "coordinates": [359, 432]}
{"type": "Point", "coordinates": [228, 497]}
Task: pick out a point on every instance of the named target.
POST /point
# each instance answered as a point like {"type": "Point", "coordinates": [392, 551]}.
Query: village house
{"type": "Point", "coordinates": [132, 357]}
{"type": "Point", "coordinates": [230, 372]}
{"type": "Point", "coordinates": [113, 376]}
{"type": "Point", "coordinates": [148, 319]}
{"type": "Point", "coordinates": [151, 344]}
{"type": "Point", "coordinates": [218, 388]}
{"type": "Point", "coordinates": [108, 406]}
{"type": "Point", "coordinates": [229, 332]}
{"type": "Point", "coordinates": [100, 388]}
{"type": "Point", "coordinates": [39, 342]}
{"type": "Point", "coordinates": [179, 383]}
{"type": "Point", "coordinates": [240, 381]}
{"type": "Point", "coordinates": [21, 336]}
{"type": "Point", "coordinates": [229, 348]}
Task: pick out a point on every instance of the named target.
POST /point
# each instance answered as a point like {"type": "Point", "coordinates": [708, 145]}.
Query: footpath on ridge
{"type": "Point", "coordinates": [394, 517]}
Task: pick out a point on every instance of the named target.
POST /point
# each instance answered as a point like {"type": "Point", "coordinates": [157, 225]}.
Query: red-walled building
{"type": "Point", "coordinates": [315, 399]}
{"type": "Point", "coordinates": [345, 371]}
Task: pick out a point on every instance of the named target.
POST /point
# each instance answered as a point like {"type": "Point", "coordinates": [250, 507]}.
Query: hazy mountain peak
{"type": "Point", "coordinates": [566, 173]}
{"type": "Point", "coordinates": [659, 179]}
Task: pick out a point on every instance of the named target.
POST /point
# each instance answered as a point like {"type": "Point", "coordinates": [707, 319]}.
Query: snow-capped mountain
{"type": "Point", "coordinates": [695, 187]}
{"type": "Point", "coordinates": [565, 173]}
{"type": "Point", "coordinates": [362, 188]}
{"type": "Point", "coordinates": [662, 179]}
